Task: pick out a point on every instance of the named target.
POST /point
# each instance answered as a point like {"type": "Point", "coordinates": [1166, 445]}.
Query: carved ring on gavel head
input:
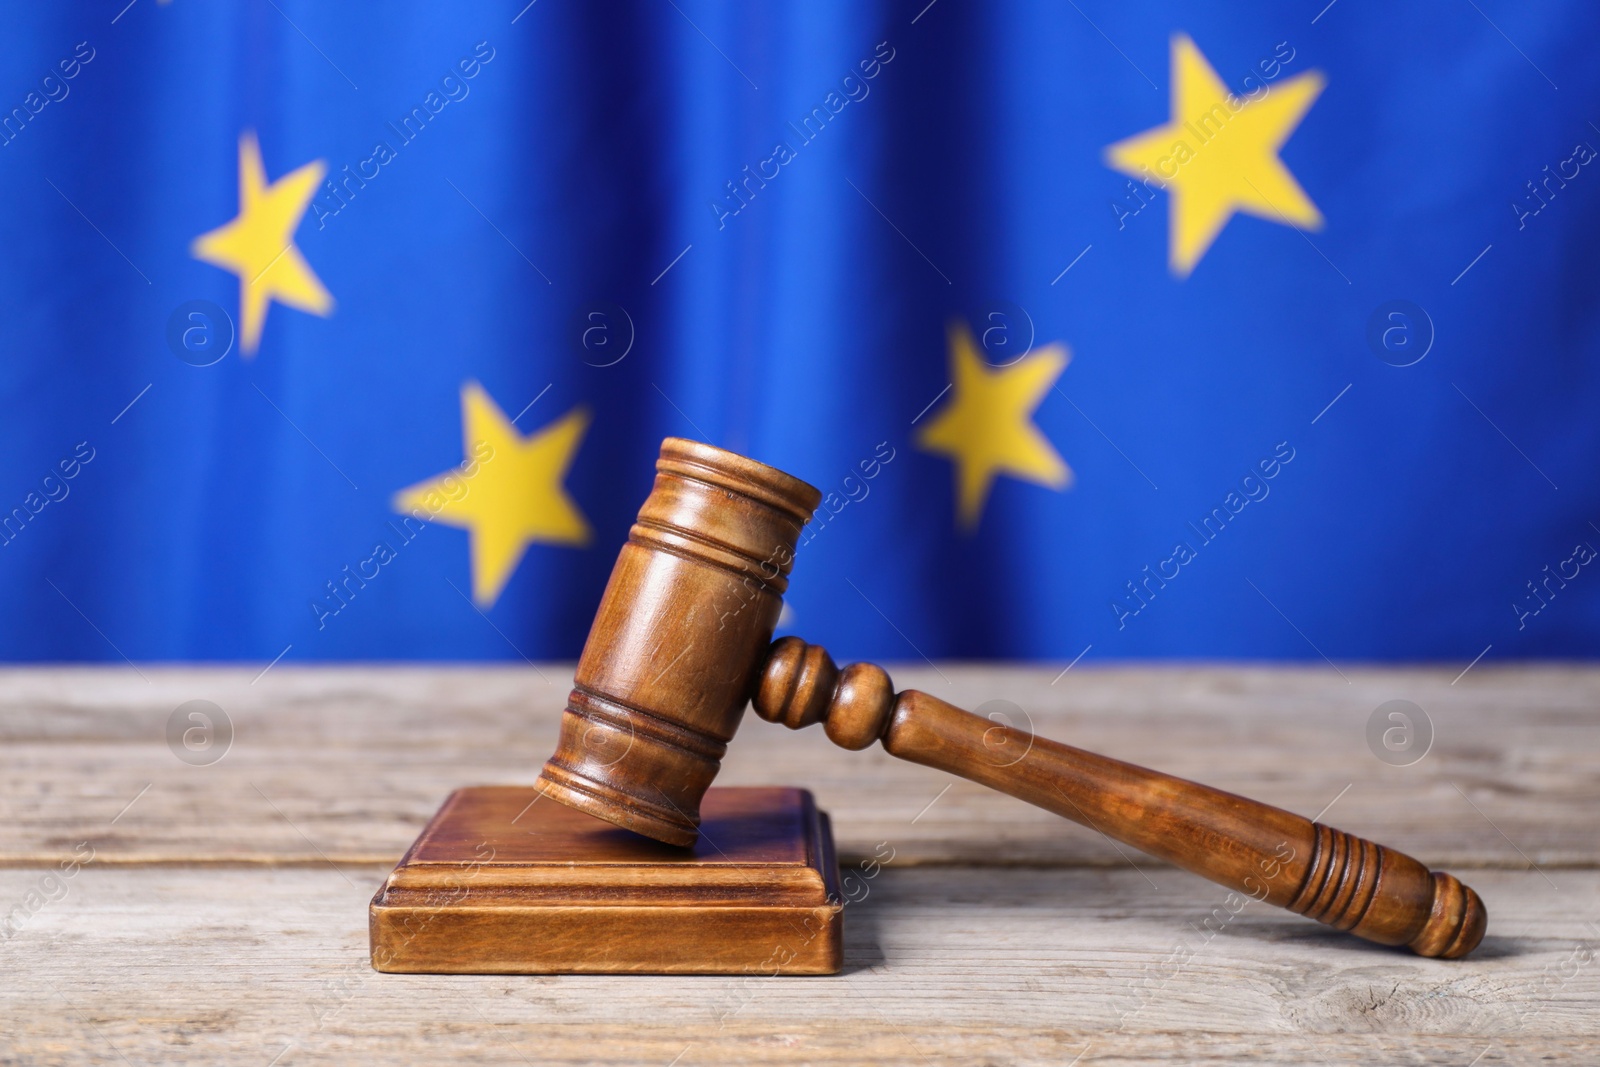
{"type": "Point", "coordinates": [680, 646]}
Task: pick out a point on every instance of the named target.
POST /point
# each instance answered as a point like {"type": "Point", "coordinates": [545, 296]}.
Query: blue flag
{"type": "Point", "coordinates": [1107, 331]}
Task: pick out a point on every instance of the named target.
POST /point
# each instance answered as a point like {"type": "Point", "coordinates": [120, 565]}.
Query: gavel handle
{"type": "Point", "coordinates": [1254, 849]}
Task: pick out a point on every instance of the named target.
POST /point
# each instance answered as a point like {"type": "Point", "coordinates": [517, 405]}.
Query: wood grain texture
{"type": "Point", "coordinates": [667, 668]}
{"type": "Point", "coordinates": [349, 764]}
{"type": "Point", "coordinates": [943, 966]}
{"type": "Point", "coordinates": [504, 880]}
{"type": "Point", "coordinates": [155, 956]}
{"type": "Point", "coordinates": [1263, 852]}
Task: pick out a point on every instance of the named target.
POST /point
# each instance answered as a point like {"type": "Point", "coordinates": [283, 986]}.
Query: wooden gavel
{"type": "Point", "coordinates": [680, 646]}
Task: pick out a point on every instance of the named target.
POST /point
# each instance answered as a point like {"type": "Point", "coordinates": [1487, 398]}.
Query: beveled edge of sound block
{"type": "Point", "coordinates": [503, 880]}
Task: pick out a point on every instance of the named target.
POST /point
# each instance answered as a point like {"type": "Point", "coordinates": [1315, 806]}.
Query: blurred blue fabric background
{"type": "Point", "coordinates": [1323, 386]}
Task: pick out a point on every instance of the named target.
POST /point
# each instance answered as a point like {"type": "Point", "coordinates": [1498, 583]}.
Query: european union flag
{"type": "Point", "coordinates": [1107, 330]}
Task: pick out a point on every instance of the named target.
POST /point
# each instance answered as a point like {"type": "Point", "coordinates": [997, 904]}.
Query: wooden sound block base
{"type": "Point", "coordinates": [504, 880]}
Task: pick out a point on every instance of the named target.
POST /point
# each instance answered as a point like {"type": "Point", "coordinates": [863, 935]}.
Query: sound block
{"type": "Point", "coordinates": [504, 880]}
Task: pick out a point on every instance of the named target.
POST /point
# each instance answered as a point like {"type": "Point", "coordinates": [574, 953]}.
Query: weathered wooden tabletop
{"type": "Point", "coordinates": [217, 913]}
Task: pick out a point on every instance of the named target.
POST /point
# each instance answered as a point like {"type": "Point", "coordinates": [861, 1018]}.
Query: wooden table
{"type": "Point", "coordinates": [222, 917]}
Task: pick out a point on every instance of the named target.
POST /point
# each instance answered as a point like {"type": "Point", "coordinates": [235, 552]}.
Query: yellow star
{"type": "Point", "coordinates": [987, 428]}
{"type": "Point", "coordinates": [1219, 155]}
{"type": "Point", "coordinates": [258, 245]}
{"type": "Point", "coordinates": [507, 491]}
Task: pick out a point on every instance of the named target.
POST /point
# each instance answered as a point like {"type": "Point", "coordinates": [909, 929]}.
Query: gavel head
{"type": "Point", "coordinates": [682, 629]}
